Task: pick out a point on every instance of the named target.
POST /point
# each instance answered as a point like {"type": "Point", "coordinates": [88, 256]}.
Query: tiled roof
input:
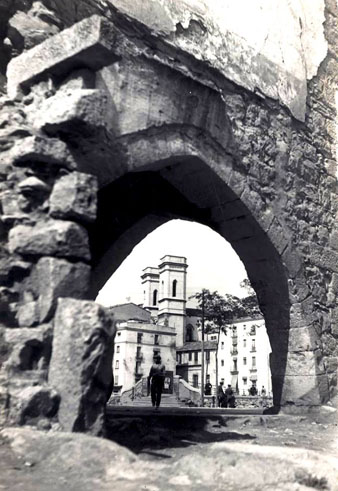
{"type": "Point", "coordinates": [130, 311]}
{"type": "Point", "coordinates": [197, 346]}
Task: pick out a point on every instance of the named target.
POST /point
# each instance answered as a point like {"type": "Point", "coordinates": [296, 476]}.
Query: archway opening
{"type": "Point", "coordinates": [137, 203]}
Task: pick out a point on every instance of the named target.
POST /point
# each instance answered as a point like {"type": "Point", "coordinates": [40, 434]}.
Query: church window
{"type": "Point", "coordinates": [189, 333]}
{"type": "Point", "coordinates": [174, 288]}
{"type": "Point", "coordinates": [155, 297]}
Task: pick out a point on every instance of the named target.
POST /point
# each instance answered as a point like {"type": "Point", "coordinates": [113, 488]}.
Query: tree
{"type": "Point", "coordinates": [249, 303]}
{"type": "Point", "coordinates": [219, 312]}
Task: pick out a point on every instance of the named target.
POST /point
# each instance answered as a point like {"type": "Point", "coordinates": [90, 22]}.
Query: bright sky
{"type": "Point", "coordinates": [212, 263]}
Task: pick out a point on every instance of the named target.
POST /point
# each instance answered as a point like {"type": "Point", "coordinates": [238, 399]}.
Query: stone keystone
{"type": "Point", "coordinates": [81, 364]}
{"type": "Point", "coordinates": [89, 43]}
{"type": "Point", "coordinates": [41, 149]}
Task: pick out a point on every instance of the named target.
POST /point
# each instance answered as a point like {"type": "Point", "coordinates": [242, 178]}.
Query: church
{"type": "Point", "coordinates": [164, 325]}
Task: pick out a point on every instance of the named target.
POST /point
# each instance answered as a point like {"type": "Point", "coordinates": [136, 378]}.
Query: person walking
{"type": "Point", "coordinates": [156, 381]}
{"type": "Point", "coordinates": [230, 397]}
{"type": "Point", "coordinates": [221, 398]}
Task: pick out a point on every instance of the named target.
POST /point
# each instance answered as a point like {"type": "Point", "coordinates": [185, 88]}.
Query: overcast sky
{"type": "Point", "coordinates": [212, 263]}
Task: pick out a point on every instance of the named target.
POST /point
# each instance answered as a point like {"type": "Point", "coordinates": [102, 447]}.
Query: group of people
{"type": "Point", "coordinates": [225, 396]}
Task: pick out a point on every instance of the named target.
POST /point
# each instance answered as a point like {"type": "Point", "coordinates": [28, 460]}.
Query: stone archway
{"type": "Point", "coordinates": [203, 149]}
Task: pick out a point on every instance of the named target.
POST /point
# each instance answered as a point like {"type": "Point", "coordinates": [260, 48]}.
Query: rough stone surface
{"type": "Point", "coordinates": [89, 43]}
{"type": "Point", "coordinates": [30, 404]}
{"type": "Point", "coordinates": [52, 238]}
{"type": "Point", "coordinates": [81, 462]}
{"type": "Point", "coordinates": [79, 111]}
{"type": "Point", "coordinates": [28, 314]}
{"type": "Point", "coordinates": [50, 151]}
{"type": "Point", "coordinates": [81, 364]}
{"type": "Point", "coordinates": [74, 197]}
{"type": "Point", "coordinates": [56, 278]}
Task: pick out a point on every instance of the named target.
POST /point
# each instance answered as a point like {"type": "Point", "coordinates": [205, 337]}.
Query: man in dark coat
{"type": "Point", "coordinates": [221, 398]}
{"type": "Point", "coordinates": [230, 397]}
{"type": "Point", "coordinates": [156, 381]}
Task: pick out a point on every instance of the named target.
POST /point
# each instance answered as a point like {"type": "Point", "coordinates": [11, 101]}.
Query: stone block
{"type": "Point", "coordinates": [51, 238]}
{"type": "Point", "coordinates": [89, 43]}
{"type": "Point", "coordinates": [28, 314]}
{"type": "Point", "coordinates": [30, 404]}
{"type": "Point", "coordinates": [81, 364]}
{"type": "Point", "coordinates": [303, 339]}
{"type": "Point", "coordinates": [299, 363]}
{"type": "Point", "coordinates": [51, 151]}
{"type": "Point", "coordinates": [325, 258]}
{"type": "Point", "coordinates": [29, 348]}
{"type": "Point", "coordinates": [74, 197]}
{"type": "Point", "coordinates": [77, 111]}
{"type": "Point", "coordinates": [79, 79]}
{"type": "Point", "coordinates": [303, 390]}
{"type": "Point", "coordinates": [59, 278]}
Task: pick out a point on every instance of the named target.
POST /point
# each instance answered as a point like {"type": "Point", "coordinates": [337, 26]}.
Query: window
{"type": "Point", "coordinates": [222, 345]}
{"type": "Point", "coordinates": [119, 333]}
{"type": "Point", "coordinates": [253, 361]}
{"type": "Point", "coordinates": [196, 355]}
{"type": "Point", "coordinates": [156, 337]}
{"type": "Point", "coordinates": [195, 380]}
{"type": "Point", "coordinates": [179, 358]}
{"type": "Point", "coordinates": [244, 343]}
{"type": "Point", "coordinates": [174, 288]}
{"type": "Point", "coordinates": [190, 355]}
{"type": "Point", "coordinates": [138, 368]}
{"type": "Point", "coordinates": [138, 352]}
{"type": "Point", "coordinates": [245, 380]}
{"type": "Point", "coordinates": [253, 330]}
{"type": "Point", "coordinates": [189, 333]}
{"type": "Point", "coordinates": [235, 365]}
{"type": "Point", "coordinates": [139, 337]}
{"type": "Point", "coordinates": [116, 380]}
{"type": "Point", "coordinates": [213, 337]}
{"type": "Point", "coordinates": [244, 361]}
{"type": "Point", "coordinates": [207, 356]}
{"type": "Point", "coordinates": [117, 363]}
{"type": "Point", "coordinates": [155, 297]}
{"type": "Point", "coordinates": [222, 363]}
{"type": "Point", "coordinates": [253, 345]}
{"type": "Point", "coordinates": [117, 349]}
{"type": "Point", "coordinates": [156, 352]}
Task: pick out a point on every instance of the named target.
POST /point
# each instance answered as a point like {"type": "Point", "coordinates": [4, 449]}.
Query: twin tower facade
{"type": "Point", "coordinates": [165, 293]}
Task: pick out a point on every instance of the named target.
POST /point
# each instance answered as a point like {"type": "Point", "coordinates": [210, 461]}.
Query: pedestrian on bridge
{"type": "Point", "coordinates": [156, 381]}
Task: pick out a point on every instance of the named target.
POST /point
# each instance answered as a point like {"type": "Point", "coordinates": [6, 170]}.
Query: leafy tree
{"type": "Point", "coordinates": [220, 311]}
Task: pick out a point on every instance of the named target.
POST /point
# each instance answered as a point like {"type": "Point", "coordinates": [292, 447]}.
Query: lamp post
{"type": "Point", "coordinates": [202, 349]}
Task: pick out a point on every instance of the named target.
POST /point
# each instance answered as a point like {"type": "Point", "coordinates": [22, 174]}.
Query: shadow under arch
{"type": "Point", "coordinates": [135, 204]}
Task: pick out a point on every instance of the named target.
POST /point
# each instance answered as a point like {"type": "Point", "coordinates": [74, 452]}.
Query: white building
{"type": "Point", "coordinates": [243, 356]}
{"type": "Point", "coordinates": [137, 340]}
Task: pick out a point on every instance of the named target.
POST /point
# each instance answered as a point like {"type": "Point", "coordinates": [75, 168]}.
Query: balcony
{"type": "Point", "coordinates": [253, 370]}
{"type": "Point", "coordinates": [234, 372]}
{"type": "Point", "coordinates": [253, 350]}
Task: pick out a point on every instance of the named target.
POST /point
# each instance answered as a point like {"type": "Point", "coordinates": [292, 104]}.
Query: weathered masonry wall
{"type": "Point", "coordinates": [107, 130]}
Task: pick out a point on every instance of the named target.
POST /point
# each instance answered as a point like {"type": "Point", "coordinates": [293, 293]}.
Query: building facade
{"type": "Point", "coordinates": [136, 344]}
{"type": "Point", "coordinates": [165, 326]}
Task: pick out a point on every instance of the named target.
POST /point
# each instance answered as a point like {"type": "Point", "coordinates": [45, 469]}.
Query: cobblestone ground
{"type": "Point", "coordinates": [171, 453]}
